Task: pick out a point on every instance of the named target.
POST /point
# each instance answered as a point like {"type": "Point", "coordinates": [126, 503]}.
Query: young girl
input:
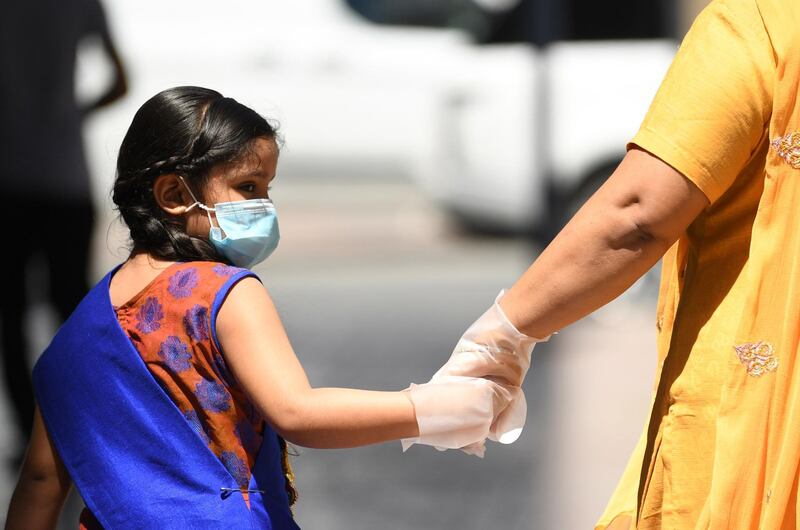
{"type": "Point", "coordinates": [168, 394]}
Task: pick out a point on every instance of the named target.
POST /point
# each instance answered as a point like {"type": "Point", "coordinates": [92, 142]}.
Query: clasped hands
{"type": "Point", "coordinates": [476, 394]}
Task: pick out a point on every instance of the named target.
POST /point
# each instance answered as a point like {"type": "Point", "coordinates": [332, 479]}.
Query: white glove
{"type": "Point", "coordinates": [492, 347]}
{"type": "Point", "coordinates": [454, 412]}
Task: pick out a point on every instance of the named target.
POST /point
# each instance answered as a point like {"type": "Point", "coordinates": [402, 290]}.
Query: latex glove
{"type": "Point", "coordinates": [454, 412]}
{"type": "Point", "coordinates": [493, 347]}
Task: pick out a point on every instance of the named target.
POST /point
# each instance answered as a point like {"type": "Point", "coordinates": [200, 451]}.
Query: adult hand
{"type": "Point", "coordinates": [457, 412]}
{"type": "Point", "coordinates": [492, 347]}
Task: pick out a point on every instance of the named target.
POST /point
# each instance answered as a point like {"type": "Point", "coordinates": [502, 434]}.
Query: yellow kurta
{"type": "Point", "coordinates": [722, 446]}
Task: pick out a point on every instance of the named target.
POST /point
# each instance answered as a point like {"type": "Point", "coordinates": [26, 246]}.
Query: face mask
{"type": "Point", "coordinates": [247, 231]}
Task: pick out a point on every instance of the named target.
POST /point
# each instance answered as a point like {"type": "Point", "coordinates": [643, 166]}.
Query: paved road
{"type": "Point", "coordinates": [375, 287]}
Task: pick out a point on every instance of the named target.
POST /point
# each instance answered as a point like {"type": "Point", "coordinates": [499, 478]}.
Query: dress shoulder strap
{"type": "Point", "coordinates": [224, 279]}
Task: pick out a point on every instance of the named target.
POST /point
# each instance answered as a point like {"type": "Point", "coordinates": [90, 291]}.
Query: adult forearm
{"type": "Point", "coordinates": [341, 417]}
{"type": "Point", "coordinates": [620, 233]}
{"type": "Point", "coordinates": [598, 255]}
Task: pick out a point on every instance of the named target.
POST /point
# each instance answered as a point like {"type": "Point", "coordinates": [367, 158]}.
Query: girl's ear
{"type": "Point", "coordinates": [171, 194]}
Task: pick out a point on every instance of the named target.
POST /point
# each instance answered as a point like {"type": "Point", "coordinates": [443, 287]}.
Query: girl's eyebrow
{"type": "Point", "coordinates": [257, 172]}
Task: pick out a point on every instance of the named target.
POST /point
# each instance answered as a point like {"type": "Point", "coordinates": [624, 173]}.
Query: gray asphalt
{"type": "Point", "coordinates": [375, 287]}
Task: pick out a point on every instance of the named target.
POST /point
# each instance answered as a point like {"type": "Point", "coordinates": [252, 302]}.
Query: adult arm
{"type": "Point", "coordinates": [118, 87]}
{"type": "Point", "coordinates": [617, 236]}
{"type": "Point", "coordinates": [614, 239]}
{"type": "Point", "coordinates": [42, 486]}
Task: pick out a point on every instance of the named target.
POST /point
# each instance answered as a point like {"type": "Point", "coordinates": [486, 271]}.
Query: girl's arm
{"type": "Point", "coordinates": [618, 235]}
{"type": "Point", "coordinates": [42, 486]}
{"type": "Point", "coordinates": [258, 353]}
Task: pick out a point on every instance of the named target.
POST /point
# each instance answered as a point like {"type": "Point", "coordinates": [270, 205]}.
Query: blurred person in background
{"type": "Point", "coordinates": [167, 395]}
{"type": "Point", "coordinates": [711, 183]}
{"type": "Point", "coordinates": [44, 181]}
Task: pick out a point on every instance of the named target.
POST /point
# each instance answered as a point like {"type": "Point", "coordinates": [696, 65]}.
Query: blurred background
{"type": "Point", "coordinates": [432, 148]}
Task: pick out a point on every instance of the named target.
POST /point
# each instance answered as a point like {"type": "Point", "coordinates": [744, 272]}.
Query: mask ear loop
{"type": "Point", "coordinates": [199, 204]}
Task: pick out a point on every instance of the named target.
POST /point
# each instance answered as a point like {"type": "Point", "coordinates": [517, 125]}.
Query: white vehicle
{"type": "Point", "coordinates": [537, 132]}
{"type": "Point", "coordinates": [491, 132]}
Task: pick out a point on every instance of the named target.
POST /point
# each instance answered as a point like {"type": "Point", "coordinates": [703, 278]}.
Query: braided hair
{"type": "Point", "coordinates": [183, 130]}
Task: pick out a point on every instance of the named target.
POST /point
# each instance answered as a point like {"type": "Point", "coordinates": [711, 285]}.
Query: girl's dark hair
{"type": "Point", "coordinates": [184, 130]}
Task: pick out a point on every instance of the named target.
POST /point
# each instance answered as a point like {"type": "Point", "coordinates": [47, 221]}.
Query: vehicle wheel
{"type": "Point", "coordinates": [472, 225]}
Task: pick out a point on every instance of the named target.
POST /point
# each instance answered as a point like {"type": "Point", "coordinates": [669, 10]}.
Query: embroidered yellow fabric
{"type": "Point", "coordinates": [788, 148]}
{"type": "Point", "coordinates": [757, 357]}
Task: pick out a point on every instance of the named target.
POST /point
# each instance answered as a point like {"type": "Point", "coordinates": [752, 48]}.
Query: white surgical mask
{"type": "Point", "coordinates": [247, 231]}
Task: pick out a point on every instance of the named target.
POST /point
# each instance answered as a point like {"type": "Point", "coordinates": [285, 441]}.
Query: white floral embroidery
{"type": "Point", "coordinates": [788, 148]}
{"type": "Point", "coordinates": [757, 357]}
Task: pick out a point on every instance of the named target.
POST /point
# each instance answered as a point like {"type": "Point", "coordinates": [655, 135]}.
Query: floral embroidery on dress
{"type": "Point", "coordinates": [212, 396]}
{"type": "Point", "coordinates": [236, 467]}
{"type": "Point", "coordinates": [194, 420]}
{"type": "Point", "coordinates": [788, 148]}
{"type": "Point", "coordinates": [148, 318]}
{"type": "Point", "coordinates": [757, 357]}
{"type": "Point", "coordinates": [195, 322]}
{"type": "Point", "coordinates": [182, 283]}
{"type": "Point", "coordinates": [226, 270]}
{"type": "Point", "coordinates": [175, 353]}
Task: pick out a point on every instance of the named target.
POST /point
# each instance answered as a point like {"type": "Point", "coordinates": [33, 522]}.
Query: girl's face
{"type": "Point", "coordinates": [246, 178]}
